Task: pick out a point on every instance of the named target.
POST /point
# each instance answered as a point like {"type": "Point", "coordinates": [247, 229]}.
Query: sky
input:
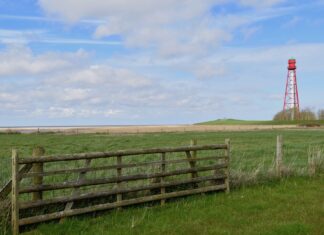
{"type": "Point", "coordinates": [119, 62]}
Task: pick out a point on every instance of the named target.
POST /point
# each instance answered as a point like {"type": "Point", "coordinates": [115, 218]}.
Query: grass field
{"type": "Point", "coordinates": [249, 149]}
{"type": "Point", "coordinates": [270, 122]}
{"type": "Point", "coordinates": [290, 207]}
{"type": "Point", "coordinates": [252, 154]}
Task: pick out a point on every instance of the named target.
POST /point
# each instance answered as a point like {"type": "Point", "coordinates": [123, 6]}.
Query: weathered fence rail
{"type": "Point", "coordinates": [127, 178]}
{"type": "Point", "coordinates": [6, 189]}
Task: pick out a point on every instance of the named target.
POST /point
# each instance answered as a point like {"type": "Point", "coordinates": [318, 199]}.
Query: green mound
{"type": "Point", "coordinates": [307, 123]}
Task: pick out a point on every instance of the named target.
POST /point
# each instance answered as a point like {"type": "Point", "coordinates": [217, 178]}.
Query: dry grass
{"type": "Point", "coordinates": [144, 129]}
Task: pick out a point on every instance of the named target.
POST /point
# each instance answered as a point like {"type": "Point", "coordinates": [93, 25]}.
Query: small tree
{"type": "Point", "coordinates": [320, 114]}
{"type": "Point", "coordinates": [307, 114]}
{"type": "Point", "coordinates": [280, 116]}
{"type": "Point", "coordinates": [289, 114]}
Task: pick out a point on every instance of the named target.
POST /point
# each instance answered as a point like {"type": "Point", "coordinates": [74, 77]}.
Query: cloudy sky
{"type": "Point", "coordinates": [71, 62]}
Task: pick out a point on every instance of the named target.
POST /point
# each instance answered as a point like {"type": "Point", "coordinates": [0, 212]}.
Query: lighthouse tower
{"type": "Point", "coordinates": [291, 102]}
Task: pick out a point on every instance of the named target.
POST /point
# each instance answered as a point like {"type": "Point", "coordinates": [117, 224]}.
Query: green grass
{"type": "Point", "coordinates": [290, 207]}
{"type": "Point", "coordinates": [249, 149]}
{"type": "Point", "coordinates": [254, 122]}
{"type": "Point", "coordinates": [252, 152]}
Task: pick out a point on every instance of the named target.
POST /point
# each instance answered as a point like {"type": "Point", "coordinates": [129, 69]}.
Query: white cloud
{"type": "Point", "coordinates": [86, 90]}
{"type": "Point", "coordinates": [172, 27]}
{"type": "Point", "coordinates": [99, 75]}
{"type": "Point", "coordinates": [173, 30]}
{"type": "Point", "coordinates": [18, 60]}
{"type": "Point", "coordinates": [69, 112]}
{"type": "Point", "coordinates": [74, 94]}
{"type": "Point", "coordinates": [7, 97]}
{"type": "Point", "coordinates": [163, 11]}
{"type": "Point", "coordinates": [73, 88]}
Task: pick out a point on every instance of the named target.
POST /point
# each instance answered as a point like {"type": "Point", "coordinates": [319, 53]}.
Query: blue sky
{"type": "Point", "coordinates": [155, 62]}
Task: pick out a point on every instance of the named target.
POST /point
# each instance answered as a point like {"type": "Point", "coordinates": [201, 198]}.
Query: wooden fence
{"type": "Point", "coordinates": [107, 180]}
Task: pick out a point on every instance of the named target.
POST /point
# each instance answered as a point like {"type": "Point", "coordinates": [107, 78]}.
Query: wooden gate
{"type": "Point", "coordinates": [59, 186]}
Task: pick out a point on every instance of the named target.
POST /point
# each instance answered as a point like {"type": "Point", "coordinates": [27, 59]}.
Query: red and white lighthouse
{"type": "Point", "coordinates": [291, 102]}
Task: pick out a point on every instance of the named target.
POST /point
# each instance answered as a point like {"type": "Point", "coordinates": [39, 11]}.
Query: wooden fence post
{"type": "Point", "coordinates": [119, 174]}
{"type": "Point", "coordinates": [193, 142]}
{"type": "Point", "coordinates": [15, 193]}
{"type": "Point", "coordinates": [192, 157]}
{"type": "Point", "coordinates": [163, 167]}
{"type": "Point", "coordinates": [279, 155]}
{"type": "Point", "coordinates": [38, 168]}
{"type": "Point", "coordinates": [227, 160]}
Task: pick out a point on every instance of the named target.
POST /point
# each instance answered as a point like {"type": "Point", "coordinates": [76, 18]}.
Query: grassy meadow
{"type": "Point", "coordinates": [257, 122]}
{"type": "Point", "coordinates": [252, 158]}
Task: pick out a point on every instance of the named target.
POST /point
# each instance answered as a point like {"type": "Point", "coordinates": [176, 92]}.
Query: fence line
{"type": "Point", "coordinates": [162, 179]}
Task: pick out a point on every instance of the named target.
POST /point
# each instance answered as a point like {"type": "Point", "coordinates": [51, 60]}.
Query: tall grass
{"type": "Point", "coordinates": [263, 172]}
